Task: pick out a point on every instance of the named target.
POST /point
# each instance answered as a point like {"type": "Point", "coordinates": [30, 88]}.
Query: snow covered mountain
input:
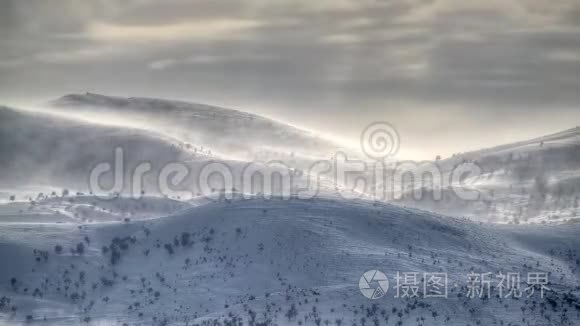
{"type": "Point", "coordinates": [267, 262]}
{"type": "Point", "coordinates": [44, 150]}
{"type": "Point", "coordinates": [536, 181]}
{"type": "Point", "coordinates": [47, 154]}
{"type": "Point", "coordinates": [80, 259]}
{"type": "Point", "coordinates": [533, 181]}
{"type": "Point", "coordinates": [224, 132]}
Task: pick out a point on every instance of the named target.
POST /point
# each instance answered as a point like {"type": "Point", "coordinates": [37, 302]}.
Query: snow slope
{"type": "Point", "coordinates": [534, 181]}
{"type": "Point", "coordinates": [225, 132]}
{"type": "Point", "coordinates": [89, 209]}
{"type": "Point", "coordinates": [250, 261]}
{"type": "Point", "coordinates": [41, 149]}
{"type": "Point", "coordinates": [45, 153]}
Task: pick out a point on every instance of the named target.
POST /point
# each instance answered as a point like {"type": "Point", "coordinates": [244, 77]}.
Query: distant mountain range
{"type": "Point", "coordinates": [537, 180]}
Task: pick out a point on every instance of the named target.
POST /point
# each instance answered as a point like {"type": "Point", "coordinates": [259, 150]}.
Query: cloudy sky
{"type": "Point", "coordinates": [451, 75]}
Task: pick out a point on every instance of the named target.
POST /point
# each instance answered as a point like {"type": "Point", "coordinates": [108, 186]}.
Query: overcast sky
{"type": "Point", "coordinates": [451, 75]}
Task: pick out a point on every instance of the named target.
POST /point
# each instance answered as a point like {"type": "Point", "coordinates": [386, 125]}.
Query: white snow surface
{"type": "Point", "coordinates": [249, 261]}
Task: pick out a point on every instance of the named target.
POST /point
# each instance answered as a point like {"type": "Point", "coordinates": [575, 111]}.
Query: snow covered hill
{"type": "Point", "coordinates": [71, 258]}
{"type": "Point", "coordinates": [535, 181]}
{"type": "Point", "coordinates": [47, 151]}
{"type": "Point", "coordinates": [47, 154]}
{"type": "Point", "coordinates": [266, 262]}
{"type": "Point", "coordinates": [224, 132]}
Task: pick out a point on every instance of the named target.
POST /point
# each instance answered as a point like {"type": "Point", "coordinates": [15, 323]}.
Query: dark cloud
{"type": "Point", "coordinates": [313, 62]}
